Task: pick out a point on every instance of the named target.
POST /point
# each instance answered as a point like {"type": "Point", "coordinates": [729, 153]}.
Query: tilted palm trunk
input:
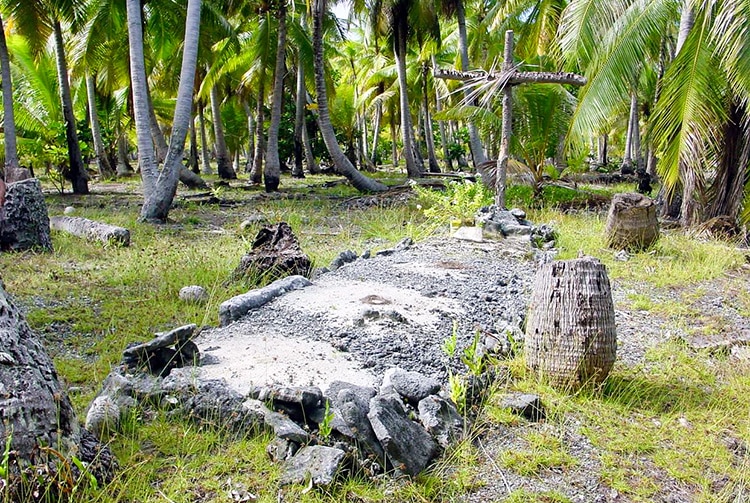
{"type": "Point", "coordinates": [9, 123]}
{"type": "Point", "coordinates": [224, 165]}
{"type": "Point", "coordinates": [77, 171]}
{"type": "Point", "coordinates": [205, 151]}
{"type": "Point", "coordinates": [160, 189]}
{"type": "Point", "coordinates": [299, 120]}
{"type": "Point", "coordinates": [272, 173]}
{"type": "Point", "coordinates": [343, 166]}
{"type": "Point", "coordinates": [256, 174]}
{"type": "Point", "coordinates": [102, 160]}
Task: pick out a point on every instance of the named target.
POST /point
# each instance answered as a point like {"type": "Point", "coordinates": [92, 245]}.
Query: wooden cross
{"type": "Point", "coordinates": [510, 77]}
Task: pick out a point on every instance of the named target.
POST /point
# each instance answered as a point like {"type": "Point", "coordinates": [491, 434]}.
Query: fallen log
{"type": "Point", "coordinates": [92, 230]}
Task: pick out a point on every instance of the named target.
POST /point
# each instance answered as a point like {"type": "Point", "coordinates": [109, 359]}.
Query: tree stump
{"type": "Point", "coordinates": [275, 253]}
{"type": "Point", "coordinates": [570, 331]}
{"type": "Point", "coordinates": [631, 222]}
{"type": "Point", "coordinates": [24, 223]}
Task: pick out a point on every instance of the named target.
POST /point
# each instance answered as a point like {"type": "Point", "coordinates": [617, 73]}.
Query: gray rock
{"type": "Point", "coordinates": [299, 403]}
{"type": "Point", "coordinates": [168, 350]}
{"type": "Point", "coordinates": [516, 230]}
{"type": "Point", "coordinates": [235, 308]}
{"type": "Point", "coordinates": [285, 428]}
{"type": "Point", "coordinates": [543, 237]}
{"type": "Point", "coordinates": [24, 222]}
{"type": "Point", "coordinates": [280, 450]}
{"type": "Point", "coordinates": [411, 385]}
{"type": "Point", "coordinates": [69, 210]}
{"type": "Point", "coordinates": [441, 420]}
{"type": "Point", "coordinates": [253, 220]}
{"type": "Point", "coordinates": [408, 446]}
{"type": "Point", "coordinates": [364, 392]}
{"type": "Point", "coordinates": [103, 416]}
{"type": "Point", "coordinates": [518, 213]}
{"type": "Point", "coordinates": [402, 245]}
{"type": "Point", "coordinates": [344, 257]}
{"type": "Point", "coordinates": [315, 463]}
{"type": "Point", "coordinates": [474, 234]}
{"type": "Point", "coordinates": [350, 409]}
{"type": "Point", "coordinates": [524, 404]}
{"type": "Point", "coordinates": [193, 293]}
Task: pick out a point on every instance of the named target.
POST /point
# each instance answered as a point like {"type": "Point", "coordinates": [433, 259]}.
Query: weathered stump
{"type": "Point", "coordinates": [24, 223]}
{"type": "Point", "coordinates": [631, 222]}
{"type": "Point", "coordinates": [92, 230]}
{"type": "Point", "coordinates": [570, 330]}
{"type": "Point", "coordinates": [34, 409]}
{"type": "Point", "coordinates": [275, 253]}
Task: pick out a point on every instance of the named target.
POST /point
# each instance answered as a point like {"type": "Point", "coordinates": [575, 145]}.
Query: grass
{"type": "Point", "coordinates": [668, 420]}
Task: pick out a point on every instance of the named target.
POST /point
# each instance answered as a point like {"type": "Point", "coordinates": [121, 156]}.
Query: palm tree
{"type": "Point", "coordinates": [342, 164]}
{"type": "Point", "coordinates": [272, 172]}
{"type": "Point", "coordinates": [102, 159]}
{"type": "Point", "coordinates": [9, 123]}
{"type": "Point", "coordinates": [160, 187]}
{"type": "Point", "coordinates": [696, 119]}
{"type": "Point", "coordinates": [37, 20]}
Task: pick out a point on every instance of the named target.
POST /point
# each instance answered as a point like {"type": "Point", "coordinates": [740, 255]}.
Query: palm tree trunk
{"type": "Point", "coordinates": [272, 173]}
{"type": "Point", "coordinates": [407, 131]}
{"type": "Point", "coordinates": [429, 136]}
{"type": "Point", "coordinates": [77, 171]}
{"type": "Point", "coordinates": [728, 187]}
{"type": "Point", "coordinates": [205, 156]}
{"type": "Point", "coordinates": [376, 127]}
{"type": "Point", "coordinates": [193, 158]}
{"type": "Point", "coordinates": [394, 148]}
{"type": "Point", "coordinates": [157, 135]}
{"type": "Point", "coordinates": [441, 127]}
{"type": "Point", "coordinates": [312, 163]}
{"type": "Point", "coordinates": [689, 207]}
{"type": "Point", "coordinates": [299, 120]}
{"type": "Point", "coordinates": [123, 165]}
{"type": "Point", "coordinates": [256, 175]}
{"type": "Point", "coordinates": [342, 164]}
{"type": "Point", "coordinates": [627, 161]}
{"type": "Point", "coordinates": [102, 160]}
{"type": "Point", "coordinates": [224, 165]}
{"type": "Point", "coordinates": [601, 158]}
{"type": "Point", "coordinates": [156, 205]}
{"type": "Point", "coordinates": [475, 143]}
{"type": "Point", "coordinates": [146, 155]}
{"type": "Point", "coordinates": [250, 135]}
{"type": "Point", "coordinates": [9, 123]}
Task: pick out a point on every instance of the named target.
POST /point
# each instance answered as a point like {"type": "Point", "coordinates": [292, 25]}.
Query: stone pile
{"type": "Point", "coordinates": [399, 428]}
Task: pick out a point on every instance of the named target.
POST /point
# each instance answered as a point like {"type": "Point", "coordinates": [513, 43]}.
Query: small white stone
{"type": "Point", "coordinates": [193, 293]}
{"type": "Point", "coordinates": [69, 210]}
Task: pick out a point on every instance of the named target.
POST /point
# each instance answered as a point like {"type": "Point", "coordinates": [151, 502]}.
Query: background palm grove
{"type": "Point", "coordinates": [137, 96]}
{"type": "Point", "coordinates": [667, 90]}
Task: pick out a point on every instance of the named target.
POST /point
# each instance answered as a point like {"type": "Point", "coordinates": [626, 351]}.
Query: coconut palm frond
{"type": "Point", "coordinates": [582, 27]}
{"type": "Point", "coordinates": [611, 74]}
{"type": "Point", "coordinates": [692, 107]}
{"type": "Point", "coordinates": [731, 35]}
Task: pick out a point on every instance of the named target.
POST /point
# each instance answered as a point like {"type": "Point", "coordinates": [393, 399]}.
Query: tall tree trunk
{"type": "Point", "coordinates": [312, 164]}
{"type": "Point", "coordinates": [299, 120]}
{"type": "Point", "coordinates": [602, 144]}
{"type": "Point", "coordinates": [250, 136]}
{"type": "Point", "coordinates": [123, 164]}
{"type": "Point", "coordinates": [728, 187]}
{"type": "Point", "coordinates": [630, 157]}
{"type": "Point", "coordinates": [193, 158]}
{"type": "Point", "coordinates": [9, 122]}
{"type": "Point", "coordinates": [256, 175]}
{"type": "Point", "coordinates": [429, 136]}
{"type": "Point", "coordinates": [475, 143]}
{"type": "Point", "coordinates": [102, 160]}
{"type": "Point", "coordinates": [146, 155]}
{"type": "Point", "coordinates": [158, 199]}
{"type": "Point", "coordinates": [77, 171]}
{"type": "Point", "coordinates": [223, 163]}
{"type": "Point", "coordinates": [394, 136]}
{"type": "Point", "coordinates": [441, 128]}
{"type": "Point", "coordinates": [157, 135]}
{"type": "Point", "coordinates": [205, 151]}
{"type": "Point", "coordinates": [376, 127]}
{"type": "Point", "coordinates": [342, 164]}
{"type": "Point", "coordinates": [272, 173]}
{"type": "Point", "coordinates": [413, 170]}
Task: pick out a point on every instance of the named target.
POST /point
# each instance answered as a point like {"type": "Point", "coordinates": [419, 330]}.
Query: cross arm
{"type": "Point", "coordinates": [515, 78]}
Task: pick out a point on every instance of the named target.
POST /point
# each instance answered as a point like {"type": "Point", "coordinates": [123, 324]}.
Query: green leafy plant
{"type": "Point", "coordinates": [459, 200]}
{"type": "Point", "coordinates": [325, 428]}
{"type": "Point", "coordinates": [473, 357]}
